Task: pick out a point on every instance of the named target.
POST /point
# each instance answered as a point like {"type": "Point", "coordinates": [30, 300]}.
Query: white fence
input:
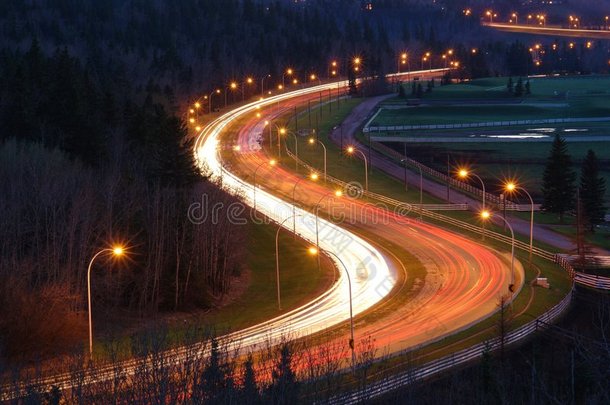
{"type": "Point", "coordinates": [598, 282]}
{"type": "Point", "coordinates": [391, 128]}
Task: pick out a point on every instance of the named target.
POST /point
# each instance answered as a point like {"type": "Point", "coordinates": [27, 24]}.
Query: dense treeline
{"type": "Point", "coordinates": [57, 213]}
{"type": "Point", "coordinates": [84, 164]}
{"type": "Point", "coordinates": [568, 363]}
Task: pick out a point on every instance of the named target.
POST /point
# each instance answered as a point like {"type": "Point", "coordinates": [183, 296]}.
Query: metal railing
{"type": "Point", "coordinates": [598, 282]}
{"type": "Point", "coordinates": [390, 128]}
{"type": "Point", "coordinates": [445, 363]}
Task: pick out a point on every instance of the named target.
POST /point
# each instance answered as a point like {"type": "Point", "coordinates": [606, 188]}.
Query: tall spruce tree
{"type": "Point", "coordinates": [558, 181]}
{"type": "Point", "coordinates": [592, 190]}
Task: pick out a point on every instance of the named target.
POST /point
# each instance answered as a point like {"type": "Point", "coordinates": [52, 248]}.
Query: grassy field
{"type": "Point", "coordinates": [341, 165]}
{"type": "Point", "coordinates": [500, 153]}
{"type": "Point", "coordinates": [300, 281]}
{"type": "Point", "coordinates": [541, 88]}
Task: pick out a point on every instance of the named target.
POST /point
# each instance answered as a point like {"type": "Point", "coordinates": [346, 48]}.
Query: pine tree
{"type": "Point", "coordinates": [420, 91]}
{"type": "Point", "coordinates": [519, 88]}
{"type": "Point", "coordinates": [401, 90]}
{"type": "Point", "coordinates": [592, 190]}
{"type": "Point", "coordinates": [558, 181]}
{"type": "Point", "coordinates": [249, 389]}
{"type": "Point", "coordinates": [216, 383]}
{"type": "Point", "coordinates": [528, 89]}
{"type": "Point", "coordinates": [284, 388]}
{"type": "Point", "coordinates": [509, 85]}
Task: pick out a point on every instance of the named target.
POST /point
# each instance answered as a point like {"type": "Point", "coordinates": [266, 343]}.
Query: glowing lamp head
{"type": "Point", "coordinates": [191, 111]}
{"type": "Point", "coordinates": [312, 251]}
{"type": "Point", "coordinates": [272, 162]}
{"type": "Point", "coordinates": [311, 141]}
{"type": "Point", "coordinates": [233, 85]}
{"type": "Point", "coordinates": [282, 131]}
{"type": "Point", "coordinates": [197, 128]}
{"type": "Point", "coordinates": [356, 61]}
{"type": "Point", "coordinates": [350, 149]}
{"type": "Point", "coordinates": [338, 193]}
{"type": "Point", "coordinates": [288, 71]}
{"type": "Point", "coordinates": [249, 80]}
{"type": "Point", "coordinates": [237, 148]}
{"type": "Point", "coordinates": [279, 87]}
{"type": "Point", "coordinates": [510, 186]}
{"type": "Point", "coordinates": [312, 77]}
{"type": "Point", "coordinates": [485, 214]}
{"type": "Point", "coordinates": [192, 120]}
{"type": "Point", "coordinates": [118, 250]}
{"type": "Point", "coordinates": [463, 173]}
{"type": "Point", "coordinates": [197, 105]}
{"type": "Point", "coordinates": [314, 176]}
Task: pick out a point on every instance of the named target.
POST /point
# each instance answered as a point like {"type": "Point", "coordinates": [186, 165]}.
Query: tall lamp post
{"type": "Point", "coordinates": [464, 174]}
{"type": "Point", "coordinates": [312, 141]}
{"type": "Point", "coordinates": [351, 312]}
{"type": "Point", "coordinates": [288, 72]}
{"type": "Point", "coordinates": [277, 260]}
{"type": "Point", "coordinates": [233, 87]}
{"type": "Point", "coordinates": [296, 148]}
{"type": "Point", "coordinates": [271, 163]}
{"type": "Point", "coordinates": [217, 91]}
{"type": "Point", "coordinates": [351, 150]}
{"type": "Point", "coordinates": [421, 187]}
{"type": "Point", "coordinates": [313, 177]}
{"type": "Point", "coordinates": [511, 187]}
{"type": "Point", "coordinates": [263, 84]}
{"type": "Point", "coordinates": [115, 251]}
{"type": "Point", "coordinates": [249, 81]}
{"type": "Point", "coordinates": [337, 194]}
{"type": "Point", "coordinates": [486, 215]}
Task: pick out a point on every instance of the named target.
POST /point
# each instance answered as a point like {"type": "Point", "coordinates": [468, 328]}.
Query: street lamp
{"type": "Point", "coordinates": [263, 84]}
{"type": "Point", "coordinates": [313, 177]}
{"type": "Point", "coordinates": [277, 260]}
{"type": "Point", "coordinates": [271, 163]}
{"type": "Point", "coordinates": [338, 194]}
{"type": "Point", "coordinates": [232, 87]}
{"type": "Point", "coordinates": [248, 81]}
{"type": "Point", "coordinates": [516, 17]}
{"type": "Point", "coordinates": [511, 187]}
{"type": "Point", "coordinates": [486, 215]}
{"type": "Point", "coordinates": [351, 312]}
{"type": "Point", "coordinates": [421, 186]}
{"type": "Point", "coordinates": [332, 69]}
{"type": "Point", "coordinates": [217, 91]}
{"type": "Point", "coordinates": [288, 72]}
{"type": "Point", "coordinates": [464, 174]}
{"type": "Point", "coordinates": [312, 141]}
{"type": "Point", "coordinates": [115, 251]}
{"type": "Point", "coordinates": [351, 150]}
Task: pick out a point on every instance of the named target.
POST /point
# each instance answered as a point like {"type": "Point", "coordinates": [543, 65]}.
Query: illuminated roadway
{"type": "Point", "coordinates": [549, 30]}
{"type": "Point", "coordinates": [463, 280]}
{"type": "Point", "coordinates": [461, 286]}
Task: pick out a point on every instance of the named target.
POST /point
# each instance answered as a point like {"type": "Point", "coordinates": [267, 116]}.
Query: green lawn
{"type": "Point", "coordinates": [341, 165]}
{"type": "Point", "coordinates": [541, 88]}
{"type": "Point", "coordinates": [300, 281]}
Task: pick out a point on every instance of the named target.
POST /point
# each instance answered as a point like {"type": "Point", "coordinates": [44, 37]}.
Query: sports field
{"type": "Point", "coordinates": [503, 151]}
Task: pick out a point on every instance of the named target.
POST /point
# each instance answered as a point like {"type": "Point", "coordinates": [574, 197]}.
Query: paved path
{"type": "Point", "coordinates": [353, 123]}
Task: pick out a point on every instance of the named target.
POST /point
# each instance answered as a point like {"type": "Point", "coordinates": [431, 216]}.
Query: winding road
{"type": "Point", "coordinates": [463, 280]}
